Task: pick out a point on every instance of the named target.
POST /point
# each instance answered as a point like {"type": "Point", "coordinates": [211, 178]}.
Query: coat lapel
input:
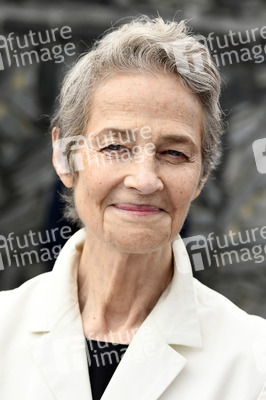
{"type": "Point", "coordinates": [147, 368]}
{"type": "Point", "coordinates": [150, 363]}
{"type": "Point", "coordinates": [61, 359]}
{"type": "Point", "coordinates": [58, 343]}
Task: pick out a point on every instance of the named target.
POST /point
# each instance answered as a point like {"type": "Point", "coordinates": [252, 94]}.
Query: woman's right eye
{"type": "Point", "coordinates": [113, 147]}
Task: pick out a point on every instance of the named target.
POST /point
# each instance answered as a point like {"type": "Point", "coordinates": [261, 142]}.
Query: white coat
{"type": "Point", "coordinates": [194, 345]}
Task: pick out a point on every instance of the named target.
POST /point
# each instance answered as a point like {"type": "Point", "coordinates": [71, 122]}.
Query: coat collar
{"type": "Point", "coordinates": [175, 314]}
{"type": "Point", "coordinates": [150, 363]}
{"type": "Point", "coordinates": [59, 291]}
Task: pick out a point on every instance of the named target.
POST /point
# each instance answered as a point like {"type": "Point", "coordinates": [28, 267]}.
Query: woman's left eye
{"type": "Point", "coordinates": [175, 153]}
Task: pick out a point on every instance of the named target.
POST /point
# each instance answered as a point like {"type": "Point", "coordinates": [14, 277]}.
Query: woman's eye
{"type": "Point", "coordinates": [174, 153]}
{"type": "Point", "coordinates": [113, 147]}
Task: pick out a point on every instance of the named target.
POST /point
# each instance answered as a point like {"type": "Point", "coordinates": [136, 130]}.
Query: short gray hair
{"type": "Point", "coordinates": [149, 46]}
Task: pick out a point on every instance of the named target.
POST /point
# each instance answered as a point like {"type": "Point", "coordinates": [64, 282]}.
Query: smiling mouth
{"type": "Point", "coordinates": [137, 209]}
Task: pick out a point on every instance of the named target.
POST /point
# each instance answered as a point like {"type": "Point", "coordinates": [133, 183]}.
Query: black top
{"type": "Point", "coordinates": [103, 359]}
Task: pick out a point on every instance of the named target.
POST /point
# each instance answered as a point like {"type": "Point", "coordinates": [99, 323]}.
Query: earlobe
{"type": "Point", "coordinates": [60, 162]}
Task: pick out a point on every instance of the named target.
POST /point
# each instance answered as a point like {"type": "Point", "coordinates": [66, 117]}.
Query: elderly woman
{"type": "Point", "coordinates": [120, 316]}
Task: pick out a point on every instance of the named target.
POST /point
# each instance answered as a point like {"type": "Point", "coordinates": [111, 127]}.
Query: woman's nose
{"type": "Point", "coordinates": [143, 177]}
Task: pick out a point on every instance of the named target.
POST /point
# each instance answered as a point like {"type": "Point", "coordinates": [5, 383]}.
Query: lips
{"type": "Point", "coordinates": [137, 209]}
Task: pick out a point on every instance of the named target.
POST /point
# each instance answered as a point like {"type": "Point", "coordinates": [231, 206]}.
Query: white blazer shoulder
{"type": "Point", "coordinates": [195, 344]}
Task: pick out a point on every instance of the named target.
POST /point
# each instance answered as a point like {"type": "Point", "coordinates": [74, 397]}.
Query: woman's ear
{"type": "Point", "coordinates": [60, 161]}
{"type": "Point", "coordinates": [201, 183]}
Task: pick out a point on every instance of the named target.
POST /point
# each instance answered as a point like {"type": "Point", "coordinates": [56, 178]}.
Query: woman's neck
{"type": "Point", "coordinates": [118, 290]}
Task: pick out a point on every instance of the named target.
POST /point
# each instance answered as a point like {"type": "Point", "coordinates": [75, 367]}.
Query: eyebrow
{"type": "Point", "coordinates": [179, 139]}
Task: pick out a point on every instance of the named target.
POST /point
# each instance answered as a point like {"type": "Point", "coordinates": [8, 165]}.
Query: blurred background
{"type": "Point", "coordinates": [234, 199]}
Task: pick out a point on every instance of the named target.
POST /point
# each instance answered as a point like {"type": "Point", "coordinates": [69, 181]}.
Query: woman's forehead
{"type": "Point", "coordinates": [140, 100]}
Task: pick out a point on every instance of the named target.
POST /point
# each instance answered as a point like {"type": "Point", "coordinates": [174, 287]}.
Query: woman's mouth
{"type": "Point", "coordinates": [137, 209]}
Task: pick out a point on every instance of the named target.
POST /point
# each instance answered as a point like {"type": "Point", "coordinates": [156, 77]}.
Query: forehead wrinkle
{"type": "Point", "coordinates": [176, 111]}
{"type": "Point", "coordinates": [185, 117]}
{"type": "Point", "coordinates": [113, 132]}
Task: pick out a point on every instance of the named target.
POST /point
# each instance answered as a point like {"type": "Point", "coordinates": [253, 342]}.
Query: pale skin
{"type": "Point", "coordinates": [126, 262]}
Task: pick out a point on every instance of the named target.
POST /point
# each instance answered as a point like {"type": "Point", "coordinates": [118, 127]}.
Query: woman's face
{"type": "Point", "coordinates": [135, 194]}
